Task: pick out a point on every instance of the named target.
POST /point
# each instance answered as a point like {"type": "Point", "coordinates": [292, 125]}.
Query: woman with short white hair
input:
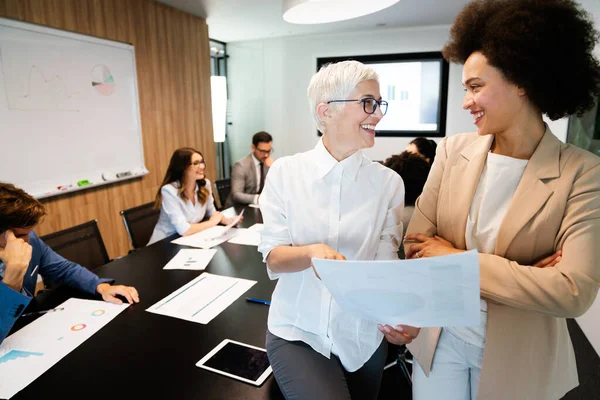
{"type": "Point", "coordinates": [331, 202]}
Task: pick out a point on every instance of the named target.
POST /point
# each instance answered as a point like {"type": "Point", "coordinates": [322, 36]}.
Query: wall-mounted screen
{"type": "Point", "coordinates": [415, 85]}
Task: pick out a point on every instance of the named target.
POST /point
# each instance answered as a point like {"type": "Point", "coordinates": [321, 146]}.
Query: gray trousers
{"type": "Point", "coordinates": [304, 374]}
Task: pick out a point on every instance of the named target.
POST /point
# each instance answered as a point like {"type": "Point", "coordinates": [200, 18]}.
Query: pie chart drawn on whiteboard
{"type": "Point", "coordinates": [102, 80]}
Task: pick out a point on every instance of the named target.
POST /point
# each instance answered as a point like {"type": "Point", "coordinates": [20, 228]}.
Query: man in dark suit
{"type": "Point", "coordinates": [249, 174]}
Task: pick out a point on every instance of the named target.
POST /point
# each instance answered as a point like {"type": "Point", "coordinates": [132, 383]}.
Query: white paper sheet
{"type": "Point", "coordinates": [203, 298]}
{"type": "Point", "coordinates": [246, 237]}
{"type": "Point", "coordinates": [31, 351]}
{"type": "Point", "coordinates": [257, 227]}
{"type": "Point", "coordinates": [233, 222]}
{"type": "Point", "coordinates": [427, 292]}
{"type": "Point", "coordinates": [191, 259]}
{"type": "Point", "coordinates": [207, 238]}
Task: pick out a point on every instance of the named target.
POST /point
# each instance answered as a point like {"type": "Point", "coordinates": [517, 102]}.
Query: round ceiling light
{"type": "Point", "coordinates": [324, 11]}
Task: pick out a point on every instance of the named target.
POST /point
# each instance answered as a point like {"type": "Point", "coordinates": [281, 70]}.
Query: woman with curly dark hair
{"type": "Point", "coordinates": [516, 194]}
{"type": "Point", "coordinates": [423, 147]}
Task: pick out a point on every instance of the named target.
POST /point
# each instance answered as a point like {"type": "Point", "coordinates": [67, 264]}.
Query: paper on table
{"type": "Point", "coordinates": [257, 227]}
{"type": "Point", "coordinates": [192, 259]}
{"type": "Point", "coordinates": [426, 292]}
{"type": "Point", "coordinates": [31, 351]}
{"type": "Point", "coordinates": [208, 238]}
{"type": "Point", "coordinates": [203, 298]}
{"type": "Point", "coordinates": [247, 237]}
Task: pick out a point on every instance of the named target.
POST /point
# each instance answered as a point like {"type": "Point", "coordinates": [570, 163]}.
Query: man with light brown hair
{"type": "Point", "coordinates": [23, 255]}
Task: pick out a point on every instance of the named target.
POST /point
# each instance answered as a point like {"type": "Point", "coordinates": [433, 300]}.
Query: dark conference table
{"type": "Point", "coordinates": [144, 355]}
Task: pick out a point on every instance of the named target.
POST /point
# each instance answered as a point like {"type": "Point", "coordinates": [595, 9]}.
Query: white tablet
{"type": "Point", "coordinates": [239, 361]}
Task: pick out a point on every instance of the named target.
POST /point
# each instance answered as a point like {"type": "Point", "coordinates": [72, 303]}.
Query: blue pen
{"type": "Point", "coordinates": [259, 301]}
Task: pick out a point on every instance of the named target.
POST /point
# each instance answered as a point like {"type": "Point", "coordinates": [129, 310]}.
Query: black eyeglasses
{"type": "Point", "coordinates": [369, 104]}
{"type": "Point", "coordinates": [266, 152]}
{"type": "Point", "coordinates": [197, 163]}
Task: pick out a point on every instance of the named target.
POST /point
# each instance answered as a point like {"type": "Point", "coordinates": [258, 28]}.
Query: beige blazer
{"type": "Point", "coordinates": [528, 352]}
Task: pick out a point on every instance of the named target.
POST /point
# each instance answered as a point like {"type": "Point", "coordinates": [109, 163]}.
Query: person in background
{"type": "Point", "coordinates": [249, 174]}
{"type": "Point", "coordinates": [334, 203]}
{"type": "Point", "coordinates": [516, 194]}
{"type": "Point", "coordinates": [23, 255]}
{"type": "Point", "coordinates": [413, 169]}
{"type": "Point", "coordinates": [423, 147]}
{"type": "Point", "coordinates": [185, 198]}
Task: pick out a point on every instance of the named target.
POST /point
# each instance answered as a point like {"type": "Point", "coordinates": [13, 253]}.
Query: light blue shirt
{"type": "Point", "coordinates": [177, 214]}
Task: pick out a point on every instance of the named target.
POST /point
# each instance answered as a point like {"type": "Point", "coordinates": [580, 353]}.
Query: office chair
{"type": "Point", "coordinates": [139, 223]}
{"type": "Point", "coordinates": [223, 190]}
{"type": "Point", "coordinates": [82, 244]}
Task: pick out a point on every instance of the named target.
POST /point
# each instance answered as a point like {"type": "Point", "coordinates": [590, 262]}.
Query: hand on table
{"type": "Point", "coordinates": [109, 293]}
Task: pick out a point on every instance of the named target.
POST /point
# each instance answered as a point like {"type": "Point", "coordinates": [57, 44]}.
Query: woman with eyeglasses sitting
{"type": "Point", "coordinates": [331, 202]}
{"type": "Point", "coordinates": [185, 198]}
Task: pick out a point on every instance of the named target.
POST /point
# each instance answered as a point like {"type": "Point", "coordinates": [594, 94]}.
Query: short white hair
{"type": "Point", "coordinates": [336, 81]}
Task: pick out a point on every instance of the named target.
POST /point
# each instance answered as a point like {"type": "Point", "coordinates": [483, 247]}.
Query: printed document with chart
{"type": "Point", "coordinates": [203, 298]}
{"type": "Point", "coordinates": [425, 292]}
{"type": "Point", "coordinates": [31, 351]}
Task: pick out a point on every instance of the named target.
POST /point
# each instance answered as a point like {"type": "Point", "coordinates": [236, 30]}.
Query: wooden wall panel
{"type": "Point", "coordinates": [173, 71]}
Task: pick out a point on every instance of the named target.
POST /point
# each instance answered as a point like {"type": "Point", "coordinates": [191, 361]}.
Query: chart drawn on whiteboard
{"type": "Point", "coordinates": [42, 91]}
{"type": "Point", "coordinates": [102, 80]}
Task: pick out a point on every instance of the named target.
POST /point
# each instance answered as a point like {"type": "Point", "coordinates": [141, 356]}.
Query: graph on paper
{"type": "Point", "coordinates": [25, 355]}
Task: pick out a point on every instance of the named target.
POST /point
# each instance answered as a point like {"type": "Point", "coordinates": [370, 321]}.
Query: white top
{"type": "Point", "coordinates": [257, 169]}
{"type": "Point", "coordinates": [355, 207]}
{"type": "Point", "coordinates": [176, 214]}
{"type": "Point", "coordinates": [497, 186]}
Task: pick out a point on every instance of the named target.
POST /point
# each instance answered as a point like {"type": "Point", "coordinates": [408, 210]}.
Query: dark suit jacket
{"type": "Point", "coordinates": [243, 182]}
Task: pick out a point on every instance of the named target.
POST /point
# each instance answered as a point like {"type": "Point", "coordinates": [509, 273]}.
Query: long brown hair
{"type": "Point", "coordinates": [180, 160]}
{"type": "Point", "coordinates": [18, 209]}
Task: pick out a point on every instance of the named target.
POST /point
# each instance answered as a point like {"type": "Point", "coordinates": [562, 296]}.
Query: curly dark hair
{"type": "Point", "coordinates": [414, 171]}
{"type": "Point", "coordinates": [426, 147]}
{"type": "Point", "coordinates": [544, 46]}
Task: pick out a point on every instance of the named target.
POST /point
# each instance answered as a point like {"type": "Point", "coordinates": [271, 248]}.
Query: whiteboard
{"type": "Point", "coordinates": [69, 110]}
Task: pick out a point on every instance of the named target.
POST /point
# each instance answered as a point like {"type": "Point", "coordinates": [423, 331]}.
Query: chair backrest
{"type": "Point", "coordinates": [223, 189]}
{"type": "Point", "coordinates": [139, 223]}
{"type": "Point", "coordinates": [82, 244]}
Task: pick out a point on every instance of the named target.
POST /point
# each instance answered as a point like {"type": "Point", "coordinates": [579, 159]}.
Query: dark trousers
{"type": "Point", "coordinates": [304, 374]}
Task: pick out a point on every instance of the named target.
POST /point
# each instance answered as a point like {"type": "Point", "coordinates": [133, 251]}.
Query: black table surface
{"type": "Point", "coordinates": [144, 355]}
